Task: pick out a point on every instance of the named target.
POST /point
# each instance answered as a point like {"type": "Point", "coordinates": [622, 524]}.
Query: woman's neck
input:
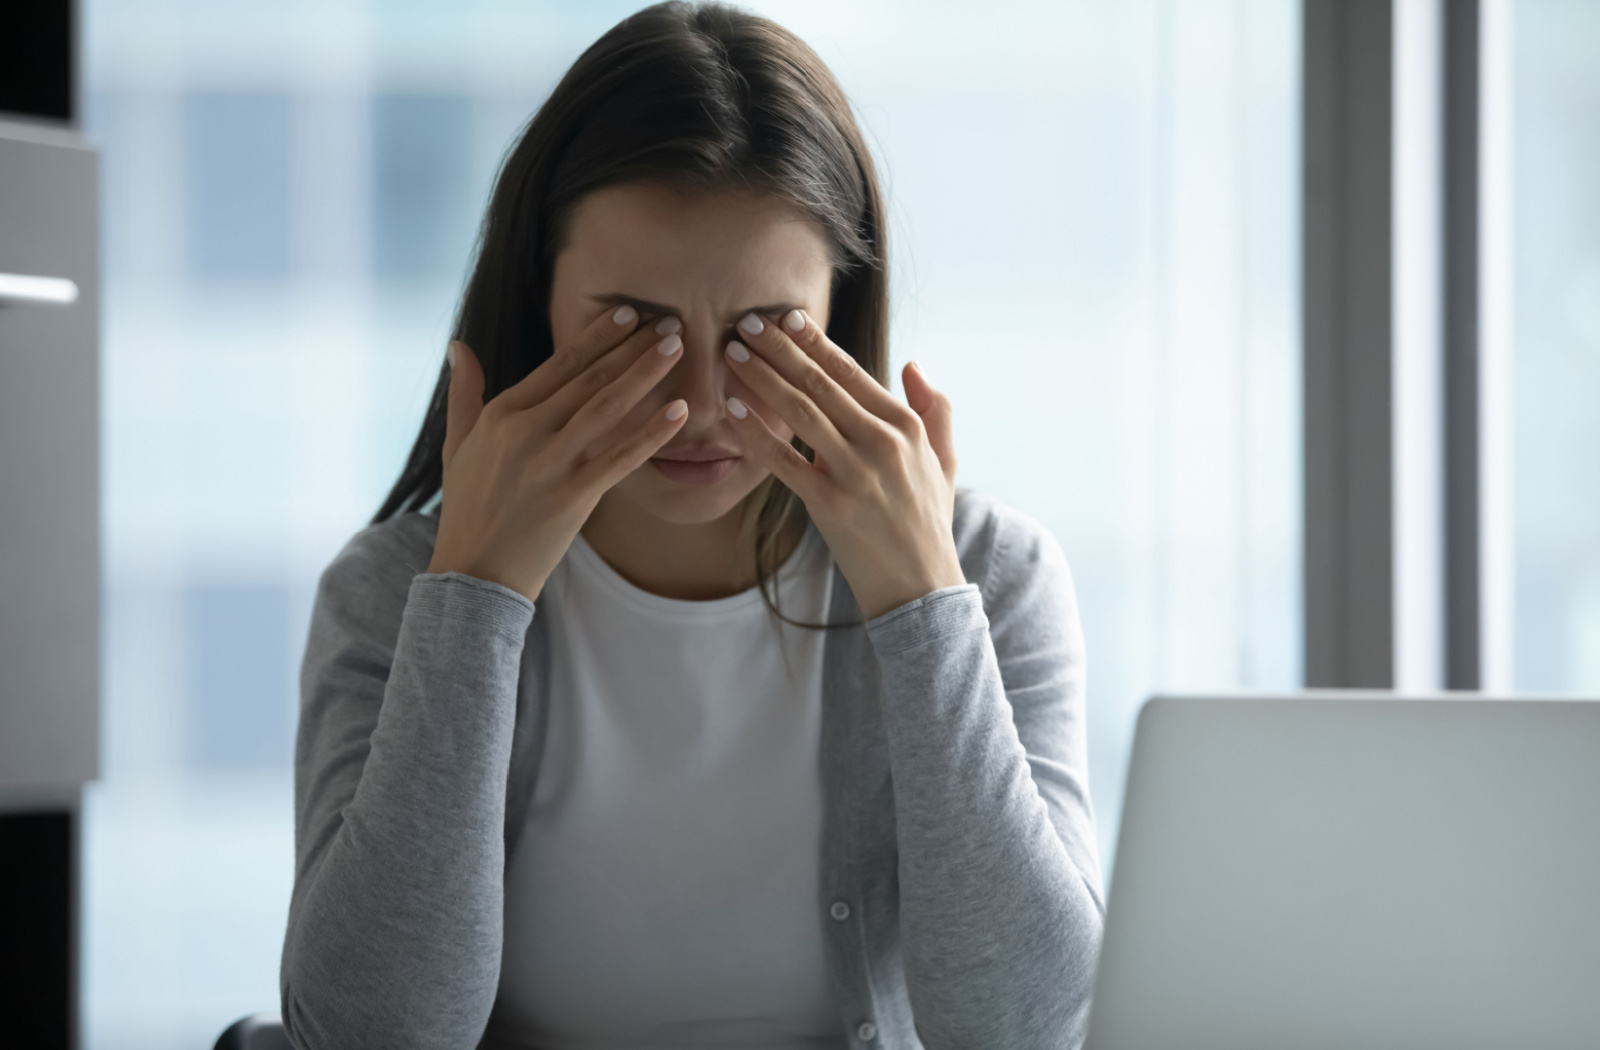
{"type": "Point", "coordinates": [698, 562]}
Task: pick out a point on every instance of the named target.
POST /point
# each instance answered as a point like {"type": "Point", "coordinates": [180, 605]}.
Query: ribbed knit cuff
{"type": "Point", "coordinates": [457, 597]}
{"type": "Point", "coordinates": [930, 619]}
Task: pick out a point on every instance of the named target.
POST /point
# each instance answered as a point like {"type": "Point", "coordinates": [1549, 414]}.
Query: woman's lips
{"type": "Point", "coordinates": [695, 471]}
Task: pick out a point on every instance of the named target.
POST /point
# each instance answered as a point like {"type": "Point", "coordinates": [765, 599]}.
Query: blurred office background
{"type": "Point", "coordinates": [1557, 355]}
{"type": "Point", "coordinates": [1095, 249]}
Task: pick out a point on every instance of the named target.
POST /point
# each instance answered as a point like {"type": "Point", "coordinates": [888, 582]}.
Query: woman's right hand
{"type": "Point", "coordinates": [518, 483]}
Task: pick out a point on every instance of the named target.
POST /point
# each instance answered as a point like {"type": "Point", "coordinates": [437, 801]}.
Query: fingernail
{"type": "Point", "coordinates": [794, 320]}
{"type": "Point", "coordinates": [918, 367]}
{"type": "Point", "coordinates": [668, 325]}
{"type": "Point", "coordinates": [737, 408]}
{"type": "Point", "coordinates": [677, 410]}
{"type": "Point", "coordinates": [751, 323]}
{"type": "Point", "coordinates": [450, 355]}
{"type": "Point", "coordinates": [738, 352]}
{"type": "Point", "coordinates": [669, 345]}
{"type": "Point", "coordinates": [624, 315]}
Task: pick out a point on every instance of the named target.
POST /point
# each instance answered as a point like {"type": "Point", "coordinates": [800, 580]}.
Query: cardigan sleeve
{"type": "Point", "coordinates": [408, 700]}
{"type": "Point", "coordinates": [1001, 908]}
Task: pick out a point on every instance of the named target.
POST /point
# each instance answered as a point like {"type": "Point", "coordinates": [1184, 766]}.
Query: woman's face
{"type": "Point", "coordinates": [707, 258]}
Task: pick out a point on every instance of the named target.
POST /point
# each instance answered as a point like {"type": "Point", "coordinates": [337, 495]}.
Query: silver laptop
{"type": "Point", "coordinates": [1347, 870]}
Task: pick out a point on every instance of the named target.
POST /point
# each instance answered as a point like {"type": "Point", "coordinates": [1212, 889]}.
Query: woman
{"type": "Point", "coordinates": [701, 711]}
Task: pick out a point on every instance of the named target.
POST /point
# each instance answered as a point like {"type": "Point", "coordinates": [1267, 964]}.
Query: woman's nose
{"type": "Point", "coordinates": [700, 378]}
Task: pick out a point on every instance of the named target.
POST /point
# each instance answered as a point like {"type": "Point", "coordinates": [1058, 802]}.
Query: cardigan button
{"type": "Point", "coordinates": [840, 911]}
{"type": "Point", "coordinates": [867, 1031]}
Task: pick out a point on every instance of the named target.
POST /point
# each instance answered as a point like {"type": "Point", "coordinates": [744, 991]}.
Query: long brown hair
{"type": "Point", "coordinates": [700, 94]}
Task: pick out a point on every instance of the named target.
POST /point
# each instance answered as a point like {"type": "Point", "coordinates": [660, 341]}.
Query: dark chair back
{"type": "Point", "coordinates": [256, 1032]}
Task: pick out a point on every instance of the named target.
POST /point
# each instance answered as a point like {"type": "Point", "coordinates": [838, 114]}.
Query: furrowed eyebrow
{"type": "Point", "coordinates": [645, 306]}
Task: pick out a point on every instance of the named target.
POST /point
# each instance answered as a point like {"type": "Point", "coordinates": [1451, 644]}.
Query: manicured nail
{"type": "Point", "coordinates": [738, 352]}
{"type": "Point", "coordinates": [669, 346]}
{"type": "Point", "coordinates": [737, 408]}
{"type": "Point", "coordinates": [794, 320]}
{"type": "Point", "coordinates": [668, 325]}
{"type": "Point", "coordinates": [624, 315]}
{"type": "Point", "coordinates": [450, 355]}
{"type": "Point", "coordinates": [677, 410]}
{"type": "Point", "coordinates": [751, 323]}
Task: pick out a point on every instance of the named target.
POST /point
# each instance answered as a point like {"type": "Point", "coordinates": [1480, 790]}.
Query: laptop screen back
{"type": "Point", "coordinates": [1353, 871]}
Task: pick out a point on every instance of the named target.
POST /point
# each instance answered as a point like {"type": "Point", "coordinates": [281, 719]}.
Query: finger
{"type": "Point", "coordinates": [465, 403]}
{"type": "Point", "coordinates": [604, 408]}
{"type": "Point", "coordinates": [631, 453]}
{"type": "Point", "coordinates": [802, 330]}
{"type": "Point", "coordinates": [559, 408]}
{"type": "Point", "coordinates": [937, 415]}
{"type": "Point", "coordinates": [816, 379]}
{"type": "Point", "coordinates": [796, 407]}
{"type": "Point", "coordinates": [568, 362]}
{"type": "Point", "coordinates": [774, 453]}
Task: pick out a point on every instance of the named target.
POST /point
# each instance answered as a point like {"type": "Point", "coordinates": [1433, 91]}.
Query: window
{"type": "Point", "coordinates": [424, 211]}
{"type": "Point", "coordinates": [1557, 357]}
{"type": "Point", "coordinates": [237, 166]}
{"type": "Point", "coordinates": [241, 693]}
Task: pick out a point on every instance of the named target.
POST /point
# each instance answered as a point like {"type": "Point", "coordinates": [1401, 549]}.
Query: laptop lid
{"type": "Point", "coordinates": [1349, 870]}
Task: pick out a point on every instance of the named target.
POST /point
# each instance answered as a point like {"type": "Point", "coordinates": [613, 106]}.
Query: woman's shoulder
{"type": "Point", "coordinates": [1000, 546]}
{"type": "Point", "coordinates": [375, 567]}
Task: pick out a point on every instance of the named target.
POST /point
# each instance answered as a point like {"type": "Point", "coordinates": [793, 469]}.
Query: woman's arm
{"type": "Point", "coordinates": [408, 703]}
{"type": "Point", "coordinates": [1001, 906]}
{"type": "Point", "coordinates": [409, 698]}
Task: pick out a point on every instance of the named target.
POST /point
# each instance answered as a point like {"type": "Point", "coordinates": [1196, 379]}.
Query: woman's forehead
{"type": "Point", "coordinates": [663, 243]}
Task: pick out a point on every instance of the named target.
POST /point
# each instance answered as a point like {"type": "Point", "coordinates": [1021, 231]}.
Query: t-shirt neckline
{"type": "Point", "coordinates": [586, 561]}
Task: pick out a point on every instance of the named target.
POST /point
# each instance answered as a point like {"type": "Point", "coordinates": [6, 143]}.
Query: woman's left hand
{"type": "Point", "coordinates": [882, 488]}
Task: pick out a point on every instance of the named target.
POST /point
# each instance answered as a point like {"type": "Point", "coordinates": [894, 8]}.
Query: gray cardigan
{"type": "Point", "coordinates": [960, 882]}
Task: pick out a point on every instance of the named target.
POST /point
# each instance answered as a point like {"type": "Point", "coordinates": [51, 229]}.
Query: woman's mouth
{"type": "Point", "coordinates": [705, 465]}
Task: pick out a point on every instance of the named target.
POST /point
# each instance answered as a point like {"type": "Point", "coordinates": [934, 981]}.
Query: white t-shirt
{"type": "Point", "coordinates": [664, 890]}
